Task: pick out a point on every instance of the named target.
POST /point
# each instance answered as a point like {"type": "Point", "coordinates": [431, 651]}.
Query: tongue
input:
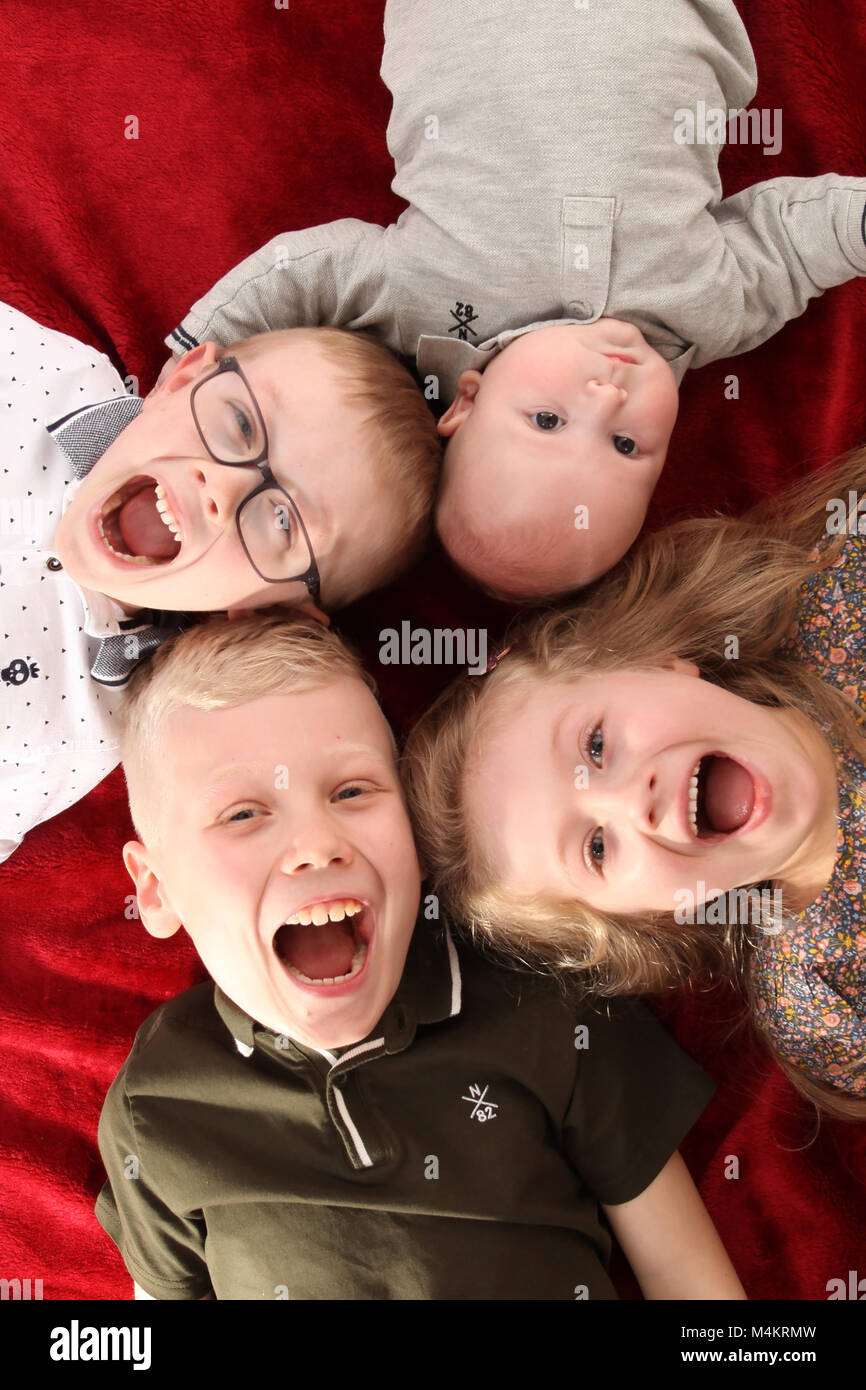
{"type": "Point", "coordinates": [728, 794]}
{"type": "Point", "coordinates": [322, 953]}
{"type": "Point", "coordinates": [143, 530]}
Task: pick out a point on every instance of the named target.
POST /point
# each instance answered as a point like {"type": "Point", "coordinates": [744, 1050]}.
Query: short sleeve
{"type": "Point", "coordinates": [162, 1249]}
{"type": "Point", "coordinates": [636, 1096]}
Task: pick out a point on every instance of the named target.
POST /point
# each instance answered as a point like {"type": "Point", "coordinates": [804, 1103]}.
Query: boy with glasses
{"type": "Point", "coordinates": [297, 468]}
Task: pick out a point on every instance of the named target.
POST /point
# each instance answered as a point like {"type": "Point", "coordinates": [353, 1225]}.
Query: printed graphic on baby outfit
{"type": "Point", "coordinates": [463, 316]}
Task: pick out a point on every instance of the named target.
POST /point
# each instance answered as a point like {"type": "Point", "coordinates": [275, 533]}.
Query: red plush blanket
{"type": "Point", "coordinates": [252, 119]}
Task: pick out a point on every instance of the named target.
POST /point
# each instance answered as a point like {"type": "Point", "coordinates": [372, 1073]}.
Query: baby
{"type": "Point", "coordinates": [355, 1107]}
{"type": "Point", "coordinates": [565, 256]}
{"type": "Point", "coordinates": [295, 467]}
{"type": "Point", "coordinates": [673, 777]}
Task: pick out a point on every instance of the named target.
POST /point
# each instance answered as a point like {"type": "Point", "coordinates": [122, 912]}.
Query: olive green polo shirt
{"type": "Point", "coordinates": [458, 1152]}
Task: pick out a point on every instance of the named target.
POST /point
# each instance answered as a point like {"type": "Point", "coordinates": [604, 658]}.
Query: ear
{"type": "Point", "coordinates": [166, 371]}
{"type": "Point", "coordinates": [181, 371]}
{"type": "Point", "coordinates": [154, 907]}
{"type": "Point", "coordinates": [460, 408]}
{"type": "Point", "coordinates": [311, 611]}
{"type": "Point", "coordinates": [680, 667]}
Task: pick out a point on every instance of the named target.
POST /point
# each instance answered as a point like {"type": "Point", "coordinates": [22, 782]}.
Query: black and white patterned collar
{"type": "Point", "coordinates": [84, 435]}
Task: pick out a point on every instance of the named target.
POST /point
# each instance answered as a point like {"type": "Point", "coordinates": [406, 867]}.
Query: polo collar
{"type": "Point", "coordinates": [83, 435]}
{"type": "Point", "coordinates": [86, 433]}
{"type": "Point", "coordinates": [445, 358]}
{"type": "Point", "coordinates": [430, 991]}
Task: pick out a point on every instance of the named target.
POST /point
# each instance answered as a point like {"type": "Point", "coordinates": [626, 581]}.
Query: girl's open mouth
{"type": "Point", "coordinates": [720, 797]}
{"type": "Point", "coordinates": [325, 945]}
{"type": "Point", "coordinates": [137, 525]}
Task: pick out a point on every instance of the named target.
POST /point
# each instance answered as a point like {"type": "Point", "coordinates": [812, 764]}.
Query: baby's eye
{"type": "Point", "coordinates": [595, 745]}
{"type": "Point", "coordinates": [624, 445]}
{"type": "Point", "coordinates": [595, 851]}
{"type": "Point", "coordinates": [546, 420]}
{"type": "Point", "coordinates": [350, 793]}
{"type": "Point", "coordinates": [244, 813]}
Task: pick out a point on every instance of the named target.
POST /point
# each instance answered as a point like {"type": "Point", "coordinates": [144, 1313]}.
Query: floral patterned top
{"type": "Point", "coordinates": [810, 979]}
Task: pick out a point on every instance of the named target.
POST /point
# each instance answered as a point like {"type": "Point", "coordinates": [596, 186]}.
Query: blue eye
{"type": "Point", "coordinates": [596, 850]}
{"type": "Point", "coordinates": [624, 445]}
{"type": "Point", "coordinates": [547, 420]}
{"type": "Point", "coordinates": [350, 793]}
{"type": "Point", "coordinates": [246, 813]}
{"type": "Point", "coordinates": [595, 745]}
{"type": "Point", "coordinates": [244, 424]}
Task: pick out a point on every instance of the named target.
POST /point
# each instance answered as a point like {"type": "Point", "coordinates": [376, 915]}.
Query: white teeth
{"type": "Point", "coordinates": [357, 961]}
{"type": "Point", "coordinates": [693, 800]}
{"type": "Point", "coordinates": [320, 913]}
{"type": "Point", "coordinates": [166, 513]}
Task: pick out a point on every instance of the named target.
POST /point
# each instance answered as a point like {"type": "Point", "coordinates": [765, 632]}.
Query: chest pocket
{"type": "Point", "coordinates": [586, 236]}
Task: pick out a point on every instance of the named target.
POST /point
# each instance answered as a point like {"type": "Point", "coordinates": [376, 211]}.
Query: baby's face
{"type": "Point", "coordinates": [622, 789]}
{"type": "Point", "coordinates": [318, 451]}
{"type": "Point", "coordinates": [564, 418]}
{"type": "Point", "coordinates": [287, 854]}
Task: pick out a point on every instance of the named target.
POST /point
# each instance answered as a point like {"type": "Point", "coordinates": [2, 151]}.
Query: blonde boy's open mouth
{"type": "Point", "coordinates": [137, 525]}
{"type": "Point", "coordinates": [326, 943]}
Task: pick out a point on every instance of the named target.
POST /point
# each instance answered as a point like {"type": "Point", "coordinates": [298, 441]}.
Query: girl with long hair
{"type": "Point", "coordinates": [669, 778]}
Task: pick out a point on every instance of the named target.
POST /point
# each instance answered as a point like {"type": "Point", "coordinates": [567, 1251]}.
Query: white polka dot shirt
{"type": "Point", "coordinates": [57, 737]}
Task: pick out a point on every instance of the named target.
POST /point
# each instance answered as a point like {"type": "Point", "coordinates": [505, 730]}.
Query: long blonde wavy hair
{"type": "Point", "coordinates": [681, 592]}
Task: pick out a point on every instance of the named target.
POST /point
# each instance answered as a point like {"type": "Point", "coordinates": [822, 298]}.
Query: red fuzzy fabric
{"type": "Point", "coordinates": [253, 120]}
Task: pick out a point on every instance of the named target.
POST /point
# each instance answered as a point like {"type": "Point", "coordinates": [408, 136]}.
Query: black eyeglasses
{"type": "Point", "coordinates": [231, 428]}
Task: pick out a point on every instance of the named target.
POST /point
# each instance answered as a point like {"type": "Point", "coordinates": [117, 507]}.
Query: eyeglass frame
{"type": "Point", "coordinates": [310, 578]}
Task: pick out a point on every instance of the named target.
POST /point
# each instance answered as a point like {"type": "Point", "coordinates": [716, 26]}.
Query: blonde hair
{"type": "Point", "coordinates": [679, 593]}
{"type": "Point", "coordinates": [218, 664]}
{"type": "Point", "coordinates": [405, 447]}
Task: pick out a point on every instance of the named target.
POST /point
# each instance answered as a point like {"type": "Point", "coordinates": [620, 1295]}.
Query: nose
{"type": "Point", "coordinates": [222, 489]}
{"type": "Point", "coordinates": [602, 399]}
{"type": "Point", "coordinates": [634, 800]}
{"type": "Point", "coordinates": [318, 844]}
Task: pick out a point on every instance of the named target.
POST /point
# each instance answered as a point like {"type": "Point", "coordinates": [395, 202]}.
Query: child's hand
{"type": "Point", "coordinates": [670, 1241]}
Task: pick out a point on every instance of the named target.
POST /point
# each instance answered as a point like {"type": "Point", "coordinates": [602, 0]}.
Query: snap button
{"type": "Point", "coordinates": [53, 563]}
{"type": "Point", "coordinates": [579, 309]}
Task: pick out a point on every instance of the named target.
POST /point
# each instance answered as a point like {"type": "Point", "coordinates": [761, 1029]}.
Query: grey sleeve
{"type": "Point", "coordinates": [162, 1249]}
{"type": "Point", "coordinates": [783, 242]}
{"type": "Point", "coordinates": [333, 274]}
